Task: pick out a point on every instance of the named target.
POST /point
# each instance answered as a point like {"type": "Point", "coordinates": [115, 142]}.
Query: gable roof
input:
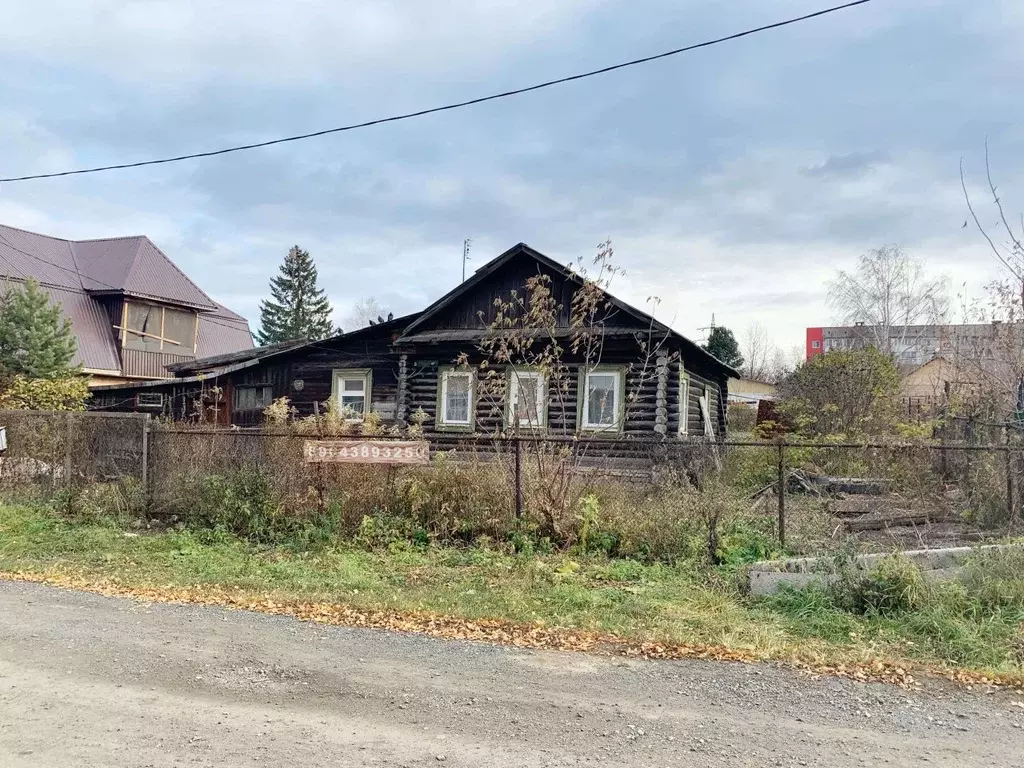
{"type": "Point", "coordinates": [129, 265]}
{"type": "Point", "coordinates": [73, 272]}
{"type": "Point", "coordinates": [136, 267]}
{"type": "Point", "coordinates": [523, 251]}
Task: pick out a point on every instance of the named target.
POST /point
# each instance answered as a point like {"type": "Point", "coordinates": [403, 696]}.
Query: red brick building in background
{"type": "Point", "coordinates": [815, 337]}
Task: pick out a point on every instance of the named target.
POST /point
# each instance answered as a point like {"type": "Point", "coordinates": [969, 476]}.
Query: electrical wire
{"type": "Point", "coordinates": [446, 107]}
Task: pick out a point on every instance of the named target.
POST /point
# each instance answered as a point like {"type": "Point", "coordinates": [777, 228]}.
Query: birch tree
{"type": "Point", "coordinates": [890, 296]}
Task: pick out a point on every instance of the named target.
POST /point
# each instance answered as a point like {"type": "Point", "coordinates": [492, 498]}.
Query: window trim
{"type": "Point", "coordinates": [339, 375]}
{"type": "Point", "coordinates": [440, 422]}
{"type": "Point", "coordinates": [620, 391]}
{"type": "Point", "coordinates": [156, 405]}
{"type": "Point", "coordinates": [684, 401]}
{"type": "Point", "coordinates": [513, 375]}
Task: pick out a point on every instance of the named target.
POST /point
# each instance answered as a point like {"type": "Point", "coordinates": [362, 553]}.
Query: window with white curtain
{"type": "Point", "coordinates": [351, 391]}
{"type": "Point", "coordinates": [456, 399]}
{"type": "Point", "coordinates": [602, 399]}
{"type": "Point", "coordinates": [527, 399]}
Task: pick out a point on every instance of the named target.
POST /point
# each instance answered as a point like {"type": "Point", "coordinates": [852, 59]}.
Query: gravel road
{"type": "Point", "coordinates": [93, 681]}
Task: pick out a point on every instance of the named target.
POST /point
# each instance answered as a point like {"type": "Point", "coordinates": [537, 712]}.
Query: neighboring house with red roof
{"type": "Point", "coordinates": [132, 310]}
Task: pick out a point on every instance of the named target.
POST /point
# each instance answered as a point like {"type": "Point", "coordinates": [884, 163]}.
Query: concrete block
{"type": "Point", "coordinates": [767, 577]}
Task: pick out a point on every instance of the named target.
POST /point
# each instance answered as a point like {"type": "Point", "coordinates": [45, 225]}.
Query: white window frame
{"type": "Point", "coordinates": [442, 405]}
{"type": "Point", "coordinates": [684, 402]}
{"type": "Point", "coordinates": [515, 377]}
{"type": "Point", "coordinates": [338, 378]}
{"type": "Point", "coordinates": [157, 401]}
{"type": "Point", "coordinates": [619, 376]}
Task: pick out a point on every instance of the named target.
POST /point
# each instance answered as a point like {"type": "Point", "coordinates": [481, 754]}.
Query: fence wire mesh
{"type": "Point", "coordinates": [632, 497]}
{"type": "Point", "coordinates": [50, 452]}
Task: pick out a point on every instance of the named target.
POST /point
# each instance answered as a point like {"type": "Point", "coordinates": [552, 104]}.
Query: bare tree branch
{"type": "Point", "coordinates": [977, 222]}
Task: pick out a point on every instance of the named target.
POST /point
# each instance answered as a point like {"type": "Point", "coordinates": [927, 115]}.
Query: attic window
{"type": "Point", "coordinates": [156, 328]}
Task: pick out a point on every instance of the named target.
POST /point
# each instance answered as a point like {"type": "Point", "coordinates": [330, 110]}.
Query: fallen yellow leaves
{"type": "Point", "coordinates": [496, 631]}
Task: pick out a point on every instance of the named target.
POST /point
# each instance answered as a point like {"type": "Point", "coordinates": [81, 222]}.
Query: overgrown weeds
{"type": "Point", "coordinates": [684, 602]}
{"type": "Point", "coordinates": [272, 496]}
{"type": "Point", "coordinates": [975, 619]}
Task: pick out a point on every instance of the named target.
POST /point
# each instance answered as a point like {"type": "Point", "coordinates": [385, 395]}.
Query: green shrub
{"type": "Point", "coordinates": [743, 543]}
{"type": "Point", "coordinates": [995, 578]}
{"type": "Point", "coordinates": [239, 502]}
{"type": "Point", "coordinates": [895, 586]}
{"type": "Point", "coordinates": [742, 417]}
{"type": "Point", "coordinates": [62, 394]}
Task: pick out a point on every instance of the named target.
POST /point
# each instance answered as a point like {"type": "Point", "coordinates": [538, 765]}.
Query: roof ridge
{"type": "Point", "coordinates": [107, 239]}
{"type": "Point", "coordinates": [45, 284]}
{"type": "Point", "coordinates": [37, 234]}
{"type": "Point", "coordinates": [74, 262]}
{"type": "Point", "coordinates": [131, 267]}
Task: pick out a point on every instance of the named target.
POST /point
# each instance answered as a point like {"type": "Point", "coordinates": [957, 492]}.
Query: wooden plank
{"type": "Point", "coordinates": [366, 451]}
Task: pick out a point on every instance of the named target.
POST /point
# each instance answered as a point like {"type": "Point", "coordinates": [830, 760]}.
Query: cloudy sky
{"type": "Point", "coordinates": [733, 180]}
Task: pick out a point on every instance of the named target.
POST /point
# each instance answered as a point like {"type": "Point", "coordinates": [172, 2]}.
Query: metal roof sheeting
{"type": "Point", "coordinates": [222, 332]}
{"type": "Point", "coordinates": [97, 344]}
{"type": "Point", "coordinates": [72, 270]}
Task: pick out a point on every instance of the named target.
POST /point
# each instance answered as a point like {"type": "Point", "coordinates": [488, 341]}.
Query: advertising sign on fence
{"type": "Point", "coordinates": [367, 451]}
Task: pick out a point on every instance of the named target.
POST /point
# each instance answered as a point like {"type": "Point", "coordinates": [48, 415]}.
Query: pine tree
{"type": "Point", "coordinates": [36, 340]}
{"type": "Point", "coordinates": [297, 309]}
{"type": "Point", "coordinates": [722, 344]}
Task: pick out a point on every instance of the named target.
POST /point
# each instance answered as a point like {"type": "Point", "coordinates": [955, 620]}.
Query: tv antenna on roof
{"type": "Point", "coordinates": [466, 245]}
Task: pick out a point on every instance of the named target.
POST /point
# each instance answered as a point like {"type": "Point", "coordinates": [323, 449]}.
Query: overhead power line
{"type": "Point", "coordinates": [446, 107]}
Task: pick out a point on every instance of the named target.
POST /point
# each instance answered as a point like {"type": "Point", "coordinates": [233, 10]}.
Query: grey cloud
{"type": "Point", "coordinates": [715, 174]}
{"type": "Point", "coordinates": [850, 164]}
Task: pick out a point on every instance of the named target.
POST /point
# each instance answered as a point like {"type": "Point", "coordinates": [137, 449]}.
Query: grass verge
{"type": "Point", "coordinates": [561, 601]}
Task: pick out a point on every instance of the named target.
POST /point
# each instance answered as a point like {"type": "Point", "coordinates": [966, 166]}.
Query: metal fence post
{"type": "Point", "coordinates": [1010, 501]}
{"type": "Point", "coordinates": [145, 457]}
{"type": "Point", "coordinates": [782, 496]}
{"type": "Point", "coordinates": [519, 479]}
{"type": "Point", "coordinates": [68, 425]}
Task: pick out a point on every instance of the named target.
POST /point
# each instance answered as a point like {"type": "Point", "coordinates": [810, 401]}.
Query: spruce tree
{"type": "Point", "coordinates": [297, 308]}
{"type": "Point", "coordinates": [36, 340]}
{"type": "Point", "coordinates": [722, 344]}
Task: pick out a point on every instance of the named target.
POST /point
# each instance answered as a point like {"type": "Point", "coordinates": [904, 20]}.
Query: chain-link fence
{"type": "Point", "coordinates": [901, 495]}
{"type": "Point", "coordinates": [626, 496]}
{"type": "Point", "coordinates": [49, 452]}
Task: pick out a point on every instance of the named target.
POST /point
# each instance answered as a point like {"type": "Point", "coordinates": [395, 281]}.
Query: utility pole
{"type": "Point", "coordinates": [708, 327]}
{"type": "Point", "coordinates": [466, 244]}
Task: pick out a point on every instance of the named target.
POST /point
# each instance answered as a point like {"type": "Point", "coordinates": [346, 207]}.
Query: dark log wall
{"type": "Point", "coordinates": [373, 349]}
{"type": "Point", "coordinates": [641, 386]}
{"type": "Point", "coordinates": [314, 366]}
{"type": "Point", "coordinates": [466, 313]}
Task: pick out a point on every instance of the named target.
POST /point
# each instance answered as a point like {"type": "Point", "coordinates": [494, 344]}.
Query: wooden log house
{"type": "Point", "coordinates": [648, 381]}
